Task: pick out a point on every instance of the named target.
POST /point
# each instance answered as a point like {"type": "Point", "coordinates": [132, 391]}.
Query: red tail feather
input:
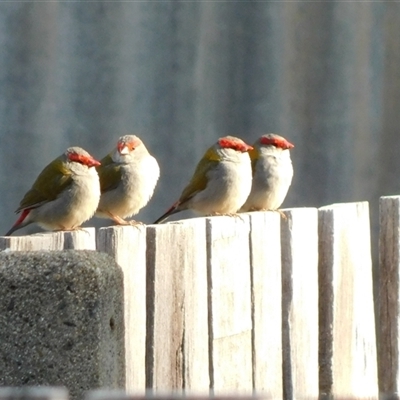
{"type": "Point", "coordinates": [172, 210]}
{"type": "Point", "coordinates": [19, 223]}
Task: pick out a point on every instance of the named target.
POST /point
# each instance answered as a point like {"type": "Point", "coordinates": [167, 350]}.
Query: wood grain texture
{"type": "Point", "coordinates": [27, 243]}
{"type": "Point", "coordinates": [230, 325]}
{"type": "Point", "coordinates": [299, 244]}
{"type": "Point", "coordinates": [265, 256]}
{"type": "Point", "coordinates": [127, 245]}
{"type": "Point", "coordinates": [347, 344]}
{"type": "Point", "coordinates": [177, 320]}
{"type": "Point", "coordinates": [389, 296]}
{"type": "Point", "coordinates": [82, 239]}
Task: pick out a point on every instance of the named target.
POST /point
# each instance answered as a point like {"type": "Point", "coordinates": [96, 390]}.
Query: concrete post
{"type": "Point", "coordinates": [61, 320]}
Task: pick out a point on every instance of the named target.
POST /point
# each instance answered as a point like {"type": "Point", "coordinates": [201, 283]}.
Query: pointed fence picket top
{"type": "Point", "coordinates": [80, 239]}
{"type": "Point", "coordinates": [230, 325]}
{"type": "Point", "coordinates": [299, 244]}
{"type": "Point", "coordinates": [177, 316]}
{"type": "Point", "coordinates": [127, 245]}
{"type": "Point", "coordinates": [347, 342]}
{"type": "Point", "coordinates": [266, 286]}
{"type": "Point", "coordinates": [389, 295]}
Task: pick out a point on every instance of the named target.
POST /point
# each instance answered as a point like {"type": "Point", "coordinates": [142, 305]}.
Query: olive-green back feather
{"type": "Point", "coordinates": [53, 180]}
{"type": "Point", "coordinates": [254, 155]}
{"type": "Point", "coordinates": [200, 179]}
{"type": "Point", "coordinates": [109, 174]}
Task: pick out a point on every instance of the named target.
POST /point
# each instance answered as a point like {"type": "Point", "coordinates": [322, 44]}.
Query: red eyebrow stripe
{"type": "Point", "coordinates": [277, 142]}
{"type": "Point", "coordinates": [227, 143]}
{"type": "Point", "coordinates": [85, 160]}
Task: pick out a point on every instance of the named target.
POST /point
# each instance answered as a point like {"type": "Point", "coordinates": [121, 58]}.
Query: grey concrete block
{"type": "Point", "coordinates": [33, 393]}
{"type": "Point", "coordinates": [61, 320]}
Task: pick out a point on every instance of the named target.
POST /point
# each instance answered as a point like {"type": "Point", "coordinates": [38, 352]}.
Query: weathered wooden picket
{"type": "Point", "coordinates": [281, 306]}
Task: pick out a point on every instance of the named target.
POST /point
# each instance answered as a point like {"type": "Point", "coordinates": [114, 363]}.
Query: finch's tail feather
{"type": "Point", "coordinates": [172, 210]}
{"type": "Point", "coordinates": [20, 223]}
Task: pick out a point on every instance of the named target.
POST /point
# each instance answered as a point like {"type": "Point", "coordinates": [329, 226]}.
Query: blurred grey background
{"type": "Point", "coordinates": [326, 75]}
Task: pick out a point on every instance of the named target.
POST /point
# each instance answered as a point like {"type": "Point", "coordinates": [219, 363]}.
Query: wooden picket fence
{"type": "Point", "coordinates": [257, 303]}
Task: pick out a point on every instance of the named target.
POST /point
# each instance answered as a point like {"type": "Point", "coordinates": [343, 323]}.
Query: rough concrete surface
{"type": "Point", "coordinates": [33, 393]}
{"type": "Point", "coordinates": [61, 320]}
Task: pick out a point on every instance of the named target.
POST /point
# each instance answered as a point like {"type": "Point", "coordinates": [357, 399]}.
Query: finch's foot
{"type": "Point", "coordinates": [136, 223]}
{"type": "Point", "coordinates": [73, 229]}
{"type": "Point", "coordinates": [120, 221]}
{"type": "Point", "coordinates": [282, 214]}
{"type": "Point", "coordinates": [64, 229]}
{"type": "Point", "coordinates": [117, 219]}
